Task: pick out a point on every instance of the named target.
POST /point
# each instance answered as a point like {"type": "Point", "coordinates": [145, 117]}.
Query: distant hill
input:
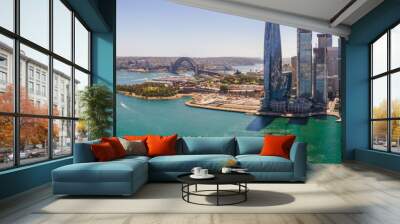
{"type": "Point", "coordinates": [128, 62]}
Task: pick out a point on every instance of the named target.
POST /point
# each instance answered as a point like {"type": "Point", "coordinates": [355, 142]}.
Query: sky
{"type": "Point", "coordinates": [163, 28]}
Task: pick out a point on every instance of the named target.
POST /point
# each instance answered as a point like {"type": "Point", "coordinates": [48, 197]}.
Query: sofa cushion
{"type": "Point", "coordinates": [277, 145]}
{"type": "Point", "coordinates": [208, 145]}
{"type": "Point", "coordinates": [136, 137]}
{"type": "Point", "coordinates": [116, 145]}
{"type": "Point", "coordinates": [103, 152]}
{"type": "Point", "coordinates": [161, 145]}
{"type": "Point", "coordinates": [185, 163]}
{"type": "Point", "coordinates": [257, 163]}
{"type": "Point", "coordinates": [134, 147]}
{"type": "Point", "coordinates": [249, 145]}
{"type": "Point", "coordinates": [112, 171]}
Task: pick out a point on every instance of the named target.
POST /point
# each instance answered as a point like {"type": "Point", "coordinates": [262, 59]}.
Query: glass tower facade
{"type": "Point", "coordinates": [324, 40]}
{"type": "Point", "coordinates": [325, 70]}
{"type": "Point", "coordinates": [320, 75]}
{"type": "Point", "coordinates": [280, 87]}
{"type": "Point", "coordinates": [272, 63]}
{"type": "Point", "coordinates": [304, 56]}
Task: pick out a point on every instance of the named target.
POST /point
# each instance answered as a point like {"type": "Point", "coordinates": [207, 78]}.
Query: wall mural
{"type": "Point", "coordinates": [289, 84]}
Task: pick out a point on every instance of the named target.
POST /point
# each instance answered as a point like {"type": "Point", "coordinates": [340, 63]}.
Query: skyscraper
{"type": "Point", "coordinates": [333, 70]}
{"type": "Point", "coordinates": [304, 65]}
{"type": "Point", "coordinates": [320, 94]}
{"type": "Point", "coordinates": [281, 87]}
{"type": "Point", "coordinates": [272, 61]}
{"type": "Point", "coordinates": [293, 63]}
{"type": "Point", "coordinates": [325, 78]}
{"type": "Point", "coordinates": [324, 40]}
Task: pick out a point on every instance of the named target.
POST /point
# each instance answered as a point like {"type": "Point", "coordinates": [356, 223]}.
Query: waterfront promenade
{"type": "Point", "coordinates": [232, 104]}
{"type": "Point", "coordinates": [255, 111]}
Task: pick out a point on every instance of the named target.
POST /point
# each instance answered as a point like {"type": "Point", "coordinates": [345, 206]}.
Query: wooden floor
{"type": "Point", "coordinates": [377, 188]}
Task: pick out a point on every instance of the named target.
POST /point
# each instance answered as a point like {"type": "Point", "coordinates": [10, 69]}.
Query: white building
{"type": "Point", "coordinates": [34, 79]}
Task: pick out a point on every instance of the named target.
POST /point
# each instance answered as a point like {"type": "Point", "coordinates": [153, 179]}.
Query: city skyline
{"type": "Point", "coordinates": [305, 83]}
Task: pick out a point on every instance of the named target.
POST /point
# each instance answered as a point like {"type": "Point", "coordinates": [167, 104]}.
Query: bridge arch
{"type": "Point", "coordinates": [179, 61]}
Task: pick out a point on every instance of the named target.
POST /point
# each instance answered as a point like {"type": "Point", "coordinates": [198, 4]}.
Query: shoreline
{"type": "Point", "coordinates": [177, 96]}
{"type": "Point", "coordinates": [190, 103]}
{"type": "Point", "coordinates": [222, 107]}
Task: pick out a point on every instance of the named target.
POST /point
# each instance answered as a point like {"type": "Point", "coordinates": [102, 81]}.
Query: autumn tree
{"type": "Point", "coordinates": [379, 128]}
{"type": "Point", "coordinates": [81, 130]}
{"type": "Point", "coordinates": [33, 131]}
{"type": "Point", "coordinates": [6, 122]}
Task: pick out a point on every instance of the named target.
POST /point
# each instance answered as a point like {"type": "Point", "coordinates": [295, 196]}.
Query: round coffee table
{"type": "Point", "coordinates": [238, 179]}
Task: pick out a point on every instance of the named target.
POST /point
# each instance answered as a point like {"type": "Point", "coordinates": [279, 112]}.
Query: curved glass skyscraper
{"type": "Point", "coordinates": [272, 61]}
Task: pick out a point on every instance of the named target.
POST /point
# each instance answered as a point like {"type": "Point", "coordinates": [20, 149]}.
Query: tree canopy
{"type": "Point", "coordinates": [33, 131]}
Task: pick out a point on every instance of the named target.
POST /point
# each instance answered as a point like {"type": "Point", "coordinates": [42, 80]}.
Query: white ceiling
{"type": "Point", "coordinates": [321, 9]}
{"type": "Point", "coordinates": [308, 14]}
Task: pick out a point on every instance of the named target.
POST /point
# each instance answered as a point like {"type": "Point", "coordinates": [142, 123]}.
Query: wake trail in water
{"type": "Point", "coordinates": [124, 106]}
{"type": "Point", "coordinates": [128, 108]}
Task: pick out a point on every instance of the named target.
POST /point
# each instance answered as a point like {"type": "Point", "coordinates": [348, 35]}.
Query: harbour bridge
{"type": "Point", "coordinates": [192, 65]}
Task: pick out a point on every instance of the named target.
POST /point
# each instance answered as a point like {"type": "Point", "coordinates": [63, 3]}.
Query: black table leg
{"type": "Point", "coordinates": [195, 188]}
{"type": "Point", "coordinates": [217, 194]}
{"type": "Point", "coordinates": [188, 190]}
{"type": "Point", "coordinates": [245, 193]}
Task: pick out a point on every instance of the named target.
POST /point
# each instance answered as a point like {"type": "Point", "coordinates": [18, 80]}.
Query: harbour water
{"type": "Point", "coordinates": [164, 117]}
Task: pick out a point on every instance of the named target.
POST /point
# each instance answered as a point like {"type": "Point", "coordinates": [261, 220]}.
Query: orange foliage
{"type": "Point", "coordinates": [7, 100]}
{"type": "Point", "coordinates": [6, 132]}
{"type": "Point", "coordinates": [6, 122]}
{"type": "Point", "coordinates": [33, 130]}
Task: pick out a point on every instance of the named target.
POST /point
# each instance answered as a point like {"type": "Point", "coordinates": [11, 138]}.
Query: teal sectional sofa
{"type": "Point", "coordinates": [125, 176]}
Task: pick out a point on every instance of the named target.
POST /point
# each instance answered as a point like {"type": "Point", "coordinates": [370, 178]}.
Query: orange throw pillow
{"type": "Point", "coordinates": [103, 151]}
{"type": "Point", "coordinates": [136, 138]}
{"type": "Point", "coordinates": [161, 145]}
{"type": "Point", "coordinates": [116, 145]}
{"type": "Point", "coordinates": [277, 145]}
